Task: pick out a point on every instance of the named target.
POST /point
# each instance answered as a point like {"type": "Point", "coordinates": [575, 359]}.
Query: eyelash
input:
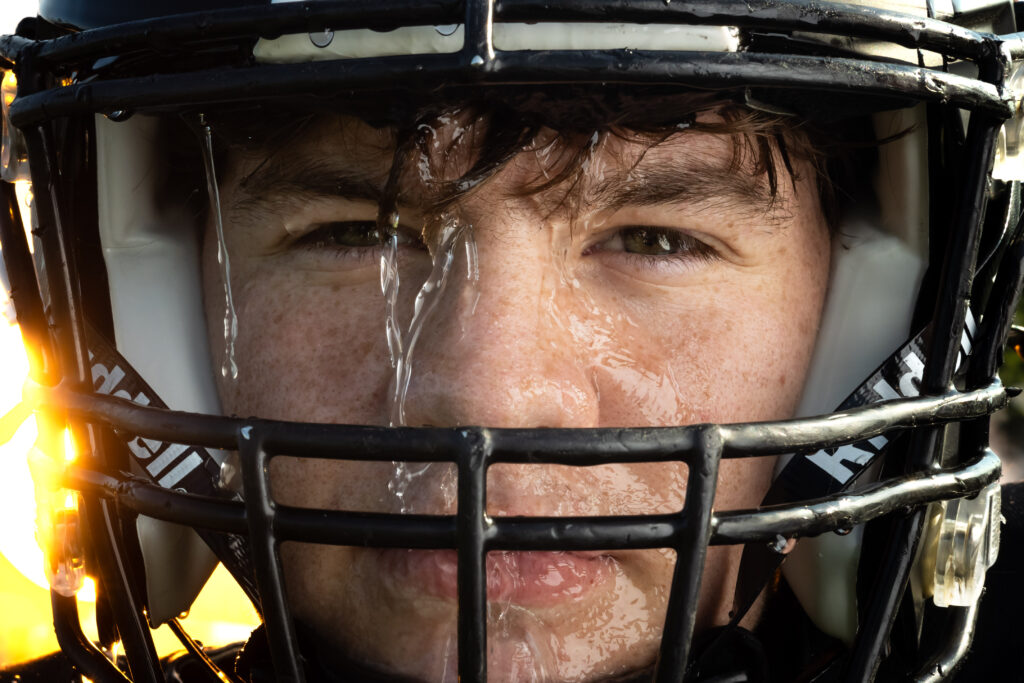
{"type": "Point", "coordinates": [324, 238]}
{"type": "Point", "coordinates": [687, 251]}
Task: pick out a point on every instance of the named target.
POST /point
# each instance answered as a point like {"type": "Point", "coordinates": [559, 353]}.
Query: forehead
{"type": "Point", "coordinates": [452, 154]}
{"type": "Point", "coordinates": [466, 131]}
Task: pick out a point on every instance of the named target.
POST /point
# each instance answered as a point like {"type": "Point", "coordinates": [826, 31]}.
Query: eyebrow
{"type": "Point", "coordinates": [691, 182]}
{"type": "Point", "coordinates": [273, 186]}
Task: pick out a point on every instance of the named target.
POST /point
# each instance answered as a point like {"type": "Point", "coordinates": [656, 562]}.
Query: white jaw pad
{"type": "Point", "coordinates": [979, 15]}
{"type": "Point", "coordinates": [876, 273]}
{"type": "Point", "coordinates": [425, 40]}
{"type": "Point", "coordinates": [152, 257]}
{"type": "Point", "coordinates": [874, 283]}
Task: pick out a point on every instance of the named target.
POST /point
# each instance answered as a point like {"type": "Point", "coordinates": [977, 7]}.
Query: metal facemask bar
{"type": "Point", "coordinates": [64, 385]}
{"type": "Point", "coordinates": [480, 63]}
{"type": "Point", "coordinates": [473, 534]}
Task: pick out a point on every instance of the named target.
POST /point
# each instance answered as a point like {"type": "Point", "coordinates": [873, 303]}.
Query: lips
{"type": "Point", "coordinates": [529, 579]}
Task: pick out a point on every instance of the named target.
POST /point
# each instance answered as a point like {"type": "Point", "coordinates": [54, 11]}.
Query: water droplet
{"type": "Point", "coordinates": [119, 115]}
{"type": "Point", "coordinates": [389, 283]}
{"type": "Point", "coordinates": [447, 29]}
{"type": "Point", "coordinates": [426, 300]}
{"type": "Point", "coordinates": [228, 368]}
{"type": "Point", "coordinates": [230, 476]}
{"type": "Point", "coordinates": [843, 531]}
{"type": "Point", "coordinates": [102, 62]}
{"type": "Point", "coordinates": [477, 61]}
{"type": "Point", "coordinates": [402, 340]}
{"type": "Point", "coordinates": [472, 271]}
{"type": "Point", "coordinates": [782, 545]}
{"type": "Point", "coordinates": [322, 38]}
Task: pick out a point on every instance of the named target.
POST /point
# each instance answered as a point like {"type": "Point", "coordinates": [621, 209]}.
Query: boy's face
{"type": "Point", "coordinates": [664, 289]}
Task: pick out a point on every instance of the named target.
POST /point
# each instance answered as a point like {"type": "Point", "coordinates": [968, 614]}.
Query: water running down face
{"type": "Point", "coordinates": [666, 290]}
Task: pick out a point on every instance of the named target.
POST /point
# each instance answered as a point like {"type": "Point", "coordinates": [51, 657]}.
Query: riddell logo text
{"type": "Point", "coordinates": [908, 368]}
{"type": "Point", "coordinates": [163, 461]}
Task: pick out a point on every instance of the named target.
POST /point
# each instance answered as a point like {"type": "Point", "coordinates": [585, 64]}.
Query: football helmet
{"type": "Point", "coordinates": [106, 290]}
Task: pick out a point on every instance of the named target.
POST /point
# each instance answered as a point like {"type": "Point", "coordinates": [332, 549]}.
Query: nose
{"type": "Point", "coordinates": [498, 350]}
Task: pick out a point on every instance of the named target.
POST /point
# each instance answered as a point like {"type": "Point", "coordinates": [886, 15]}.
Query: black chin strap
{"type": "Point", "coordinates": [728, 654]}
{"type": "Point", "coordinates": [254, 665]}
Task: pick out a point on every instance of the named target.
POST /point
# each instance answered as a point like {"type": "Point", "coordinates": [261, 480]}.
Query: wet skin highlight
{"type": "Point", "coordinates": [639, 308]}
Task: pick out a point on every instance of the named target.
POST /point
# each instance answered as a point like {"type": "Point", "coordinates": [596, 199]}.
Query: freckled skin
{"type": "Point", "coordinates": [559, 337]}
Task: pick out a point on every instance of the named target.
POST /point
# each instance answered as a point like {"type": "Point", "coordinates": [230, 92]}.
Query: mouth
{"type": "Point", "coordinates": [529, 579]}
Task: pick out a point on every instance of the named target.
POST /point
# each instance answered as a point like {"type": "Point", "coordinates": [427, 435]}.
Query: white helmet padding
{"type": "Point", "coordinates": [876, 274]}
{"type": "Point", "coordinates": [423, 40]}
{"type": "Point", "coordinates": [152, 259]}
{"type": "Point", "coordinates": [874, 282]}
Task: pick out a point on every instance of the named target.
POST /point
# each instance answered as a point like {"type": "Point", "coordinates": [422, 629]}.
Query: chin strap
{"type": "Point", "coordinates": [191, 469]}
{"type": "Point", "coordinates": [253, 663]}
{"type": "Point", "coordinates": [728, 654]}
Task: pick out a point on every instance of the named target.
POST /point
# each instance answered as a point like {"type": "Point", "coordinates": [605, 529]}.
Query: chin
{"type": "Point", "coordinates": [521, 647]}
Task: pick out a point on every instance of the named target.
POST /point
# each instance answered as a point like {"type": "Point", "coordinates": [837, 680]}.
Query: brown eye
{"type": "Point", "coordinates": [657, 241]}
{"type": "Point", "coordinates": [350, 235]}
{"type": "Point", "coordinates": [347, 234]}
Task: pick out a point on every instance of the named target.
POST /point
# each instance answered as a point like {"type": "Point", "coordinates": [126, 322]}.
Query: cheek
{"type": "Point", "coordinates": [733, 350]}
{"type": "Point", "coordinates": [308, 353]}
{"type": "Point", "coordinates": [313, 353]}
{"type": "Point", "coordinates": [754, 359]}
{"type": "Point", "coordinates": [742, 359]}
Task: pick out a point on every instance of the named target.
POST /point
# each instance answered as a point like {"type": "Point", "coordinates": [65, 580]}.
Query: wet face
{"type": "Point", "coordinates": [664, 289]}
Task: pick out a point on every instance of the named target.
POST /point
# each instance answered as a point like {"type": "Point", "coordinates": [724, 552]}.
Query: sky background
{"type": "Point", "coordinates": [12, 11]}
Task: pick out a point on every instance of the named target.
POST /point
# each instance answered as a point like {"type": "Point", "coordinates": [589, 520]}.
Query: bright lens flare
{"type": "Point", "coordinates": [69, 448]}
{"type": "Point", "coordinates": [10, 86]}
{"type": "Point", "coordinates": [17, 491]}
{"type": "Point", "coordinates": [221, 614]}
{"type": "Point", "coordinates": [58, 523]}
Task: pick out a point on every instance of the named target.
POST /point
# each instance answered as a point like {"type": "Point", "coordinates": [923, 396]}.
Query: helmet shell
{"type": "Point", "coordinates": [86, 14]}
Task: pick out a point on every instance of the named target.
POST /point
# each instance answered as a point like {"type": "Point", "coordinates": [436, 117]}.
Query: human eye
{"type": "Point", "coordinates": [655, 247]}
{"type": "Point", "coordinates": [351, 238]}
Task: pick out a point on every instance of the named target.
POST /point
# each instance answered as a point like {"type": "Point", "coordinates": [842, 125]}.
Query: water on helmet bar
{"type": "Point", "coordinates": [229, 368]}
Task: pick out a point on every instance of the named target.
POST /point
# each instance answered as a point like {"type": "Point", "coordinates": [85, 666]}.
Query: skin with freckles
{"type": "Point", "coordinates": [645, 301]}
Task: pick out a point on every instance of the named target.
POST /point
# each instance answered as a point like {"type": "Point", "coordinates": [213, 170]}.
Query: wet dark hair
{"type": "Point", "coordinates": [508, 120]}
